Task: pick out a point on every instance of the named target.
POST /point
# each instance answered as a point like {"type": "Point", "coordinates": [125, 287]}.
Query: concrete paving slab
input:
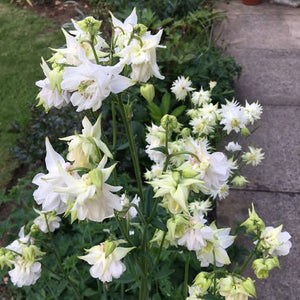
{"type": "Point", "coordinates": [257, 31]}
{"type": "Point", "coordinates": [278, 134]}
{"type": "Point", "coordinates": [275, 209]}
{"type": "Point", "coordinates": [271, 76]}
{"type": "Point", "coordinates": [236, 7]}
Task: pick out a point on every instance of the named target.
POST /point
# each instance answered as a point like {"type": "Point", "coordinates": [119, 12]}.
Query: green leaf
{"type": "Point", "coordinates": [178, 110]}
{"type": "Point", "coordinates": [165, 103]}
{"type": "Point", "coordinates": [157, 223]}
{"type": "Point", "coordinates": [161, 149]}
{"type": "Point", "coordinates": [163, 273]}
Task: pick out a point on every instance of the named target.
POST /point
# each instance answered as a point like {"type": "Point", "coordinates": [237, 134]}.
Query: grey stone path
{"type": "Point", "coordinates": [265, 40]}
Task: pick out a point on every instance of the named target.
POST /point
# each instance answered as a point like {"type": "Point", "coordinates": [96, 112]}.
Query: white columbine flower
{"type": "Point", "coordinates": [181, 86]}
{"type": "Point", "coordinates": [25, 272]}
{"type": "Point", "coordinates": [233, 147]}
{"type": "Point", "coordinates": [201, 97]}
{"type": "Point", "coordinates": [90, 84]}
{"type": "Point", "coordinates": [233, 117]}
{"type": "Point", "coordinates": [46, 195]}
{"type": "Point", "coordinates": [52, 219]}
{"type": "Point", "coordinates": [51, 94]}
{"type": "Point", "coordinates": [200, 208]}
{"type": "Point", "coordinates": [276, 242]}
{"type": "Point", "coordinates": [253, 111]}
{"type": "Point", "coordinates": [86, 146]}
{"type": "Point", "coordinates": [94, 199]}
{"type": "Point", "coordinates": [106, 261]}
{"type": "Point", "coordinates": [196, 235]}
{"type": "Point", "coordinates": [132, 212]}
{"type": "Point", "coordinates": [253, 157]}
{"type": "Point", "coordinates": [216, 248]}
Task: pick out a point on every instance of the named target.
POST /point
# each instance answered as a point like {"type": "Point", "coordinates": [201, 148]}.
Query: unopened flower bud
{"type": "Point", "coordinates": [169, 122]}
{"type": "Point", "coordinates": [185, 132]}
{"type": "Point", "coordinates": [212, 84]}
{"type": "Point", "coordinates": [239, 181]}
{"type": "Point", "coordinates": [176, 176]}
{"type": "Point", "coordinates": [176, 227]}
{"type": "Point", "coordinates": [245, 131]}
{"type": "Point", "coordinates": [189, 173]}
{"type": "Point", "coordinates": [262, 266]}
{"type": "Point", "coordinates": [254, 223]}
{"type": "Point", "coordinates": [34, 229]}
{"type": "Point", "coordinates": [249, 287]}
{"type": "Point", "coordinates": [148, 92]}
{"type": "Point", "coordinates": [89, 25]}
{"type": "Point", "coordinates": [6, 258]}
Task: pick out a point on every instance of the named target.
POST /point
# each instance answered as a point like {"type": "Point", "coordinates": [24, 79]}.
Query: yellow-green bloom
{"type": "Point", "coordinates": [204, 281]}
{"type": "Point", "coordinates": [254, 223]}
{"type": "Point", "coordinates": [262, 266]}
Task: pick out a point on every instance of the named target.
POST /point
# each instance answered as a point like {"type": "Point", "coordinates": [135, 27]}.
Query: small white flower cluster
{"type": "Point", "coordinates": [24, 256]}
{"type": "Point", "coordinates": [82, 73]}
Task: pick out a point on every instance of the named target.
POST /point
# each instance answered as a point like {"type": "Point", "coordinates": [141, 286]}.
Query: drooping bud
{"type": "Point", "coordinates": [262, 266]}
{"type": "Point", "coordinates": [254, 223]}
{"type": "Point", "coordinates": [185, 132]}
{"type": "Point", "coordinates": [189, 173]}
{"type": "Point", "coordinates": [148, 92]}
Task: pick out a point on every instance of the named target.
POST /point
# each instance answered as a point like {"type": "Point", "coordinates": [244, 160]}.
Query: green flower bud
{"type": "Point", "coordinates": [96, 178]}
{"type": "Point", "coordinates": [89, 25]}
{"type": "Point", "coordinates": [239, 181]}
{"type": "Point", "coordinates": [245, 131]}
{"type": "Point", "coordinates": [254, 223]}
{"type": "Point", "coordinates": [185, 132]}
{"type": "Point", "coordinates": [203, 280]}
{"type": "Point", "coordinates": [262, 266]}
{"type": "Point", "coordinates": [176, 227]}
{"type": "Point", "coordinates": [189, 173]}
{"type": "Point", "coordinates": [140, 29]}
{"type": "Point", "coordinates": [34, 229]}
{"type": "Point", "coordinates": [176, 176]}
{"type": "Point", "coordinates": [6, 258]}
{"type": "Point", "coordinates": [170, 122]}
{"type": "Point", "coordinates": [109, 247]}
{"type": "Point", "coordinates": [148, 92]}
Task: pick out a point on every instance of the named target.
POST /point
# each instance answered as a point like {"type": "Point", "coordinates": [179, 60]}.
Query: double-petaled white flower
{"type": "Point", "coordinates": [233, 117]}
{"type": "Point", "coordinates": [181, 87]}
{"type": "Point", "coordinates": [20, 243]}
{"type": "Point", "coordinates": [253, 157]}
{"type": "Point", "coordinates": [275, 242]}
{"type": "Point", "coordinates": [196, 235]}
{"type": "Point", "coordinates": [233, 147]}
{"type": "Point", "coordinates": [45, 194]}
{"type": "Point", "coordinates": [90, 84]}
{"type": "Point", "coordinates": [84, 147]}
{"type": "Point", "coordinates": [215, 248]}
{"type": "Point", "coordinates": [106, 260]}
{"type": "Point", "coordinates": [51, 93]}
{"type": "Point", "coordinates": [25, 272]}
{"type": "Point", "coordinates": [253, 111]}
{"type": "Point", "coordinates": [93, 197]}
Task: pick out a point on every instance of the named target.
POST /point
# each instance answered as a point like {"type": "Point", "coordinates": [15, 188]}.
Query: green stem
{"type": "Point", "coordinates": [245, 264]}
{"type": "Point", "coordinates": [113, 112]}
{"type": "Point", "coordinates": [132, 147]}
{"type": "Point", "coordinates": [94, 50]}
{"type": "Point", "coordinates": [215, 277]}
{"type": "Point", "coordinates": [186, 276]}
